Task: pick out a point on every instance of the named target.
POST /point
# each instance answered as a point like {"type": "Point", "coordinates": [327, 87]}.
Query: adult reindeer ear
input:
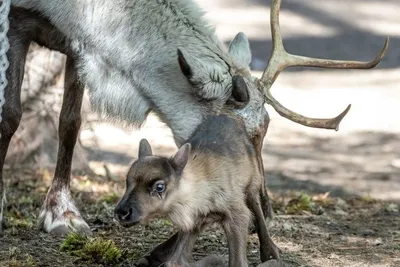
{"type": "Point", "coordinates": [181, 158]}
{"type": "Point", "coordinates": [185, 67]}
{"type": "Point", "coordinates": [239, 49]}
{"type": "Point", "coordinates": [144, 149]}
{"type": "Point", "coordinates": [240, 94]}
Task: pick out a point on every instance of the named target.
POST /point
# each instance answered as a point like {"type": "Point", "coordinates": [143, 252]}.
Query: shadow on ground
{"type": "Point", "coordinates": [357, 164]}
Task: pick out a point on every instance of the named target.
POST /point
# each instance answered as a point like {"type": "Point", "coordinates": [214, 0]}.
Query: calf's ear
{"type": "Point", "coordinates": [181, 158]}
{"type": "Point", "coordinates": [144, 149]}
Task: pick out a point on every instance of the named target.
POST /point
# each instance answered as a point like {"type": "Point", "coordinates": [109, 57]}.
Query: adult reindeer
{"type": "Point", "coordinates": [138, 56]}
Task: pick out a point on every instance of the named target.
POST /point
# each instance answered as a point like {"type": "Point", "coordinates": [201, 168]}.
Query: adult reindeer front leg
{"type": "Point", "coordinates": [59, 214]}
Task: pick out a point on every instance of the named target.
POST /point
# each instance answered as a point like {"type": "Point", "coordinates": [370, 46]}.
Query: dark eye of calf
{"type": "Point", "coordinates": [158, 188]}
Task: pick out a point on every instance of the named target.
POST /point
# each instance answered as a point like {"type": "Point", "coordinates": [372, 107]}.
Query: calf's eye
{"type": "Point", "coordinates": [159, 186]}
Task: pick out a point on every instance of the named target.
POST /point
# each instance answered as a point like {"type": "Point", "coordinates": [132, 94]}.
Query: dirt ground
{"type": "Point", "coordinates": [336, 195]}
{"type": "Point", "coordinates": [311, 229]}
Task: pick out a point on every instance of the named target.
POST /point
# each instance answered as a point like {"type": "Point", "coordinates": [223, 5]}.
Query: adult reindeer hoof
{"type": "Point", "coordinates": [60, 216]}
{"type": "Point", "coordinates": [63, 224]}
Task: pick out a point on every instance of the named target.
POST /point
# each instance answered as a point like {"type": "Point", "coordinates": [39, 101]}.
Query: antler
{"type": "Point", "coordinates": [280, 59]}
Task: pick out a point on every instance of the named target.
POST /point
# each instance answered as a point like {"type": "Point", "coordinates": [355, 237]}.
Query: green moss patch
{"type": "Point", "coordinates": [94, 250]}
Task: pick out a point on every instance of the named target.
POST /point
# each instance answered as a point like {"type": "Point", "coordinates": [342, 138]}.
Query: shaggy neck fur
{"type": "Point", "coordinates": [205, 189]}
{"type": "Point", "coordinates": [186, 206]}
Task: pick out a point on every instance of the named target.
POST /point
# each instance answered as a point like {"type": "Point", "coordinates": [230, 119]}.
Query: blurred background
{"type": "Point", "coordinates": [361, 158]}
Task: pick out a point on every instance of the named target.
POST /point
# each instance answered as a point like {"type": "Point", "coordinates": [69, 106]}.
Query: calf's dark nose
{"type": "Point", "coordinates": [122, 214]}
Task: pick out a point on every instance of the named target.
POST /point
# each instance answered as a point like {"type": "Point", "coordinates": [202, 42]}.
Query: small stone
{"type": "Point", "coordinates": [393, 208]}
{"type": "Point", "coordinates": [272, 263]}
{"type": "Point", "coordinates": [333, 256]}
{"type": "Point", "coordinates": [340, 212]}
{"type": "Point", "coordinates": [378, 242]}
{"type": "Point", "coordinates": [287, 227]}
{"type": "Point", "coordinates": [341, 203]}
{"type": "Point", "coordinates": [368, 232]}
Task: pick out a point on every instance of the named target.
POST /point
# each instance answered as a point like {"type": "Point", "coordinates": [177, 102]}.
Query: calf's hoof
{"type": "Point", "coordinates": [148, 262]}
{"type": "Point", "coordinates": [143, 262]}
{"type": "Point", "coordinates": [212, 260]}
{"type": "Point", "coordinates": [60, 216]}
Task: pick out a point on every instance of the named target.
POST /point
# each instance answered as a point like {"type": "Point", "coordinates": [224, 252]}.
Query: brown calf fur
{"type": "Point", "coordinates": [214, 178]}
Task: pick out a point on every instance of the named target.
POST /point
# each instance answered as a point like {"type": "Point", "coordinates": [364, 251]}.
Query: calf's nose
{"type": "Point", "coordinates": [123, 215]}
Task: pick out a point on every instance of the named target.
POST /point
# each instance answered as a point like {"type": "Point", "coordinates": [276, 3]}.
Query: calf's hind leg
{"type": "Point", "coordinates": [59, 214]}
{"type": "Point", "coordinates": [257, 140]}
{"type": "Point", "coordinates": [268, 249]}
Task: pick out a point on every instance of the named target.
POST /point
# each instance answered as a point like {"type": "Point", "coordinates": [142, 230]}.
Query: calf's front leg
{"type": "Point", "coordinates": [183, 249]}
{"type": "Point", "coordinates": [176, 251]}
{"type": "Point", "coordinates": [59, 214]}
{"type": "Point", "coordinates": [236, 231]}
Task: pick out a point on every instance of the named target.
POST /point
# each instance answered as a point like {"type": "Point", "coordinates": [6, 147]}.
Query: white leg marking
{"type": "Point", "coordinates": [60, 215]}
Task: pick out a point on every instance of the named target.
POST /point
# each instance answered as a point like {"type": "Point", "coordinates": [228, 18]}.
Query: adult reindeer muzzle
{"type": "Point", "coordinates": [280, 59]}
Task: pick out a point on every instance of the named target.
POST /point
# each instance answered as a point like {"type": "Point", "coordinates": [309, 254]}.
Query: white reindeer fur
{"type": "Point", "coordinates": [128, 58]}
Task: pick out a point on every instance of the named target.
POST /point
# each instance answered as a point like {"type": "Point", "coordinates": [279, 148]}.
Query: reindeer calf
{"type": "Point", "coordinates": [214, 177]}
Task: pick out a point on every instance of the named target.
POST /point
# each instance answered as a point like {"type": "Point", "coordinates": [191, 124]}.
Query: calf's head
{"type": "Point", "coordinates": [149, 183]}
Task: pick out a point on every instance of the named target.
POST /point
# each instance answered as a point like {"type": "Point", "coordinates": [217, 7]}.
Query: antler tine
{"type": "Point", "coordinates": [280, 59]}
